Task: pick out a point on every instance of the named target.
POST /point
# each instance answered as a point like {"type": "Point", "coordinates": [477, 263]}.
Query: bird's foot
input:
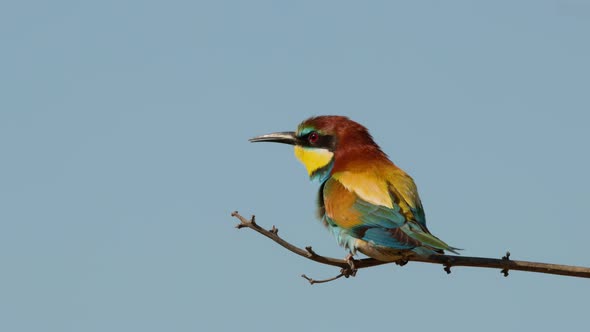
{"type": "Point", "coordinates": [351, 269]}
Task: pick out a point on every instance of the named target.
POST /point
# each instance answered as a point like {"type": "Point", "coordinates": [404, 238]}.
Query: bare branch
{"type": "Point", "coordinates": [307, 252]}
{"type": "Point", "coordinates": [349, 266]}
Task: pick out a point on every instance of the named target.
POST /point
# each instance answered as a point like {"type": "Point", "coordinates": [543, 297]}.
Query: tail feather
{"type": "Point", "coordinates": [428, 240]}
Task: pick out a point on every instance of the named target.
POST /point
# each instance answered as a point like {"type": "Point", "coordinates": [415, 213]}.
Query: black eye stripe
{"type": "Point", "coordinates": [322, 141]}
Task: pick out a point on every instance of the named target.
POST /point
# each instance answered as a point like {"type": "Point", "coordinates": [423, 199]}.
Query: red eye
{"type": "Point", "coordinates": [313, 137]}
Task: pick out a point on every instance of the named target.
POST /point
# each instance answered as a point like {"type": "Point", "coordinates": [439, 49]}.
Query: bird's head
{"type": "Point", "coordinates": [328, 143]}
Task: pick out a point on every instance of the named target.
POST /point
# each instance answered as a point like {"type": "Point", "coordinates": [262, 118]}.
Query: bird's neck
{"type": "Point", "coordinates": [359, 159]}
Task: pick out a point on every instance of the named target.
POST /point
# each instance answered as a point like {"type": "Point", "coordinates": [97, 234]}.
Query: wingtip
{"type": "Point", "coordinates": [454, 250]}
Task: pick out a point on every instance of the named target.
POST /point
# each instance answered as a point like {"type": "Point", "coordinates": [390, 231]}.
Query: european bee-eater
{"type": "Point", "coordinates": [368, 203]}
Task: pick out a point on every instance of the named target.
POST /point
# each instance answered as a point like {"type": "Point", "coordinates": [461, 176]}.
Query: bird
{"type": "Point", "coordinates": [368, 203]}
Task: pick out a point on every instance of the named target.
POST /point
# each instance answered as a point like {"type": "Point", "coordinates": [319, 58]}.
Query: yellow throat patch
{"type": "Point", "coordinates": [313, 158]}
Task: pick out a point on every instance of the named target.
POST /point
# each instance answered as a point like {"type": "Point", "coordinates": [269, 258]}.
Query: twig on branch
{"type": "Point", "coordinates": [349, 268]}
{"type": "Point", "coordinates": [313, 281]}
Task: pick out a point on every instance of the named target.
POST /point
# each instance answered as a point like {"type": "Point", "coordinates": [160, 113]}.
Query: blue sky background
{"type": "Point", "coordinates": [123, 146]}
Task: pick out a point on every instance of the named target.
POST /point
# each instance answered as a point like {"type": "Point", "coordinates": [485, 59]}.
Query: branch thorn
{"type": "Point", "coordinates": [447, 268]}
{"type": "Point", "coordinates": [401, 262]}
{"type": "Point", "coordinates": [310, 251]}
{"type": "Point", "coordinates": [274, 230]}
{"type": "Point", "coordinates": [505, 258]}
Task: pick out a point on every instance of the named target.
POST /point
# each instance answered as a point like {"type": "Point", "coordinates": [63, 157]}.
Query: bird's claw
{"type": "Point", "coordinates": [351, 269]}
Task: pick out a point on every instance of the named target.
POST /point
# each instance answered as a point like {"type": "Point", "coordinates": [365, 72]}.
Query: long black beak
{"type": "Point", "coordinates": [286, 137]}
